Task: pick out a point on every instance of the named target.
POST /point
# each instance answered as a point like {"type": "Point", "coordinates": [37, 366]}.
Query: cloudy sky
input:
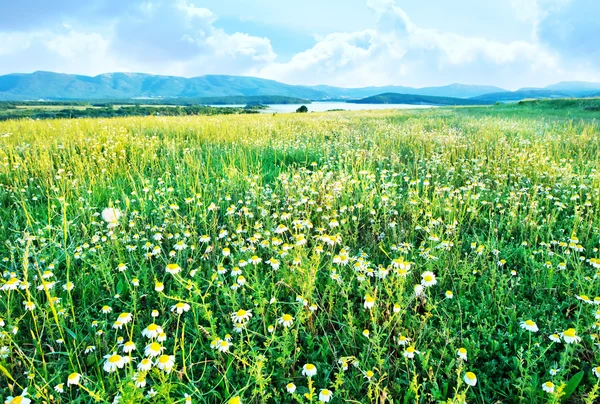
{"type": "Point", "coordinates": [351, 43]}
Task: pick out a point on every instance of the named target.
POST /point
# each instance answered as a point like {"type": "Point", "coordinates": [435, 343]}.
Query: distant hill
{"type": "Point", "coordinates": [55, 86]}
{"type": "Point", "coordinates": [564, 89]}
{"type": "Point", "coordinates": [126, 86]}
{"type": "Point", "coordinates": [452, 90]}
{"type": "Point", "coordinates": [395, 98]}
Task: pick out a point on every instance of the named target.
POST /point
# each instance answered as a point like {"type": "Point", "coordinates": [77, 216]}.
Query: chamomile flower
{"type": "Point", "coordinates": [548, 387]}
{"type": "Point", "coordinates": [166, 362]}
{"type": "Point", "coordinates": [291, 388]}
{"type": "Point", "coordinates": [462, 354]}
{"type": "Point", "coordinates": [73, 379]}
{"type": "Point", "coordinates": [180, 307]}
{"type": "Point", "coordinates": [125, 318]}
{"type": "Point", "coordinates": [145, 365]}
{"type": "Point", "coordinates": [369, 302]}
{"type": "Point", "coordinates": [428, 279]}
{"type": "Point", "coordinates": [286, 320]}
{"type": "Point", "coordinates": [410, 352]}
{"type": "Point", "coordinates": [152, 331]}
{"type": "Point", "coordinates": [555, 338]}
{"type": "Point", "coordinates": [128, 347]}
{"type": "Point", "coordinates": [309, 370]}
{"type": "Point", "coordinates": [369, 374]}
{"type": "Point", "coordinates": [114, 362]}
{"type": "Point", "coordinates": [20, 399]}
{"type": "Point", "coordinates": [59, 388]}
{"type": "Point", "coordinates": [596, 371]}
{"type": "Point", "coordinates": [241, 316]}
{"type": "Point", "coordinates": [223, 346]}
{"type": "Point", "coordinates": [173, 269]}
{"type": "Point", "coordinates": [470, 379]}
{"type": "Point", "coordinates": [154, 349]}
{"type": "Point", "coordinates": [529, 325]}
{"type": "Point", "coordinates": [325, 395]}
{"type": "Point", "coordinates": [570, 336]}
{"type": "Point", "coordinates": [403, 340]}
{"type": "Point", "coordinates": [111, 216]}
{"type": "Point", "coordinates": [449, 294]}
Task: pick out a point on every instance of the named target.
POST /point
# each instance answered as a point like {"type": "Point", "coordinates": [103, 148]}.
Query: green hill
{"type": "Point", "coordinates": [394, 98]}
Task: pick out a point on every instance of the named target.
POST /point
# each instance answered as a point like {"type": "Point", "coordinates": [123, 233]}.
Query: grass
{"type": "Point", "coordinates": [370, 245]}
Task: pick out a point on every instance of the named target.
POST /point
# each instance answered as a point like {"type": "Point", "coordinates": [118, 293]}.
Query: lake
{"type": "Point", "coordinates": [317, 106]}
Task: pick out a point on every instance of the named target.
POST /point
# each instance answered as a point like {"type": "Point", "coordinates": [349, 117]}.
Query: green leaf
{"type": "Point", "coordinates": [6, 373]}
{"type": "Point", "coordinates": [572, 385]}
{"type": "Point", "coordinates": [120, 286]}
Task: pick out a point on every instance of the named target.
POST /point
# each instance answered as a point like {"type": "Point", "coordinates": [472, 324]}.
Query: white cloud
{"type": "Point", "coordinates": [398, 51]}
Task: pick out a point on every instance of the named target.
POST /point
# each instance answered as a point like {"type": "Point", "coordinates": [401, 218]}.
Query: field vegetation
{"type": "Point", "coordinates": [443, 255]}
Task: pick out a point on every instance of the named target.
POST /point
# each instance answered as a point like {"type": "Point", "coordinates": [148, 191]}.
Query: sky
{"type": "Point", "coordinates": [349, 43]}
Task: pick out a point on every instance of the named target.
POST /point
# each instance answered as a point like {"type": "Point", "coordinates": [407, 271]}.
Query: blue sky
{"type": "Point", "coordinates": [351, 43]}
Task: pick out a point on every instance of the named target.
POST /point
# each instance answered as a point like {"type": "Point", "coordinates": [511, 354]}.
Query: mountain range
{"type": "Point", "coordinates": [43, 85]}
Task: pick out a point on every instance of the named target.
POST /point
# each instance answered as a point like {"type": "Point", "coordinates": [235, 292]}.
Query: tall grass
{"type": "Point", "coordinates": [372, 245]}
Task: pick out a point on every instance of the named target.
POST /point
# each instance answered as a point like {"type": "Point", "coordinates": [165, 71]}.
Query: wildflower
{"type": "Point", "coordinates": [396, 308]}
{"type": "Point", "coordinates": [410, 352]}
{"type": "Point", "coordinates": [89, 349]}
{"type": "Point", "coordinates": [286, 320]}
{"type": "Point", "coordinates": [140, 380]}
{"type": "Point", "coordinates": [584, 298]}
{"type": "Point", "coordinates": [325, 395]}
{"type": "Point", "coordinates": [596, 371]}
{"type": "Point", "coordinates": [553, 371]}
{"type": "Point", "coordinates": [59, 388]}
{"type": "Point", "coordinates": [555, 338]}
{"type": "Point", "coordinates": [29, 305]}
{"type": "Point", "coordinates": [309, 370]}
{"type": "Point", "coordinates": [180, 307]}
{"type": "Point", "coordinates": [166, 362]}
{"type": "Point", "coordinates": [11, 284]}
{"type": "Point", "coordinates": [428, 279]}
{"type": "Point", "coordinates": [152, 331]}
{"type": "Point", "coordinates": [106, 309]}
{"type": "Point", "coordinates": [529, 325]}
{"type": "Point", "coordinates": [369, 302]}
{"type": "Point", "coordinates": [548, 387]}
{"type": "Point", "coordinates": [173, 269]}
{"type": "Point", "coordinates": [159, 286]}
{"type": "Point", "coordinates": [20, 399]}
{"type": "Point", "coordinates": [366, 333]}
{"type": "Point", "coordinates": [291, 388]}
{"type": "Point", "coordinates": [111, 217]}
{"type": "Point", "coordinates": [154, 314]}
{"type": "Point", "coordinates": [462, 354]}
{"type": "Point", "coordinates": [241, 316]}
{"type": "Point", "coordinates": [115, 361]}
{"type": "Point", "coordinates": [449, 294]}
{"type": "Point", "coordinates": [128, 347]}
{"type": "Point", "coordinates": [223, 346]}
{"type": "Point", "coordinates": [145, 365]}
{"type": "Point", "coordinates": [235, 400]}
{"type": "Point", "coordinates": [470, 378]}
{"type": "Point", "coordinates": [369, 374]}
{"type": "Point", "coordinates": [73, 379]}
{"type": "Point", "coordinates": [121, 267]}
{"type": "Point", "coordinates": [125, 318]}
{"type": "Point", "coordinates": [419, 290]}
{"type": "Point", "coordinates": [402, 340]}
{"type": "Point", "coordinates": [154, 349]}
{"type": "Point", "coordinates": [570, 336]}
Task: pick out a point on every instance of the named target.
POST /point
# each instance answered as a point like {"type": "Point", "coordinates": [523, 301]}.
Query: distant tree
{"type": "Point", "coordinates": [302, 109]}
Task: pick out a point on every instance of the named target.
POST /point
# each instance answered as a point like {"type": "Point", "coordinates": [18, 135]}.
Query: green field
{"type": "Point", "coordinates": [413, 256]}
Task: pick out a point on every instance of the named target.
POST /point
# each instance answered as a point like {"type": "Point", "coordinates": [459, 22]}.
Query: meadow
{"type": "Point", "coordinates": [413, 256]}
